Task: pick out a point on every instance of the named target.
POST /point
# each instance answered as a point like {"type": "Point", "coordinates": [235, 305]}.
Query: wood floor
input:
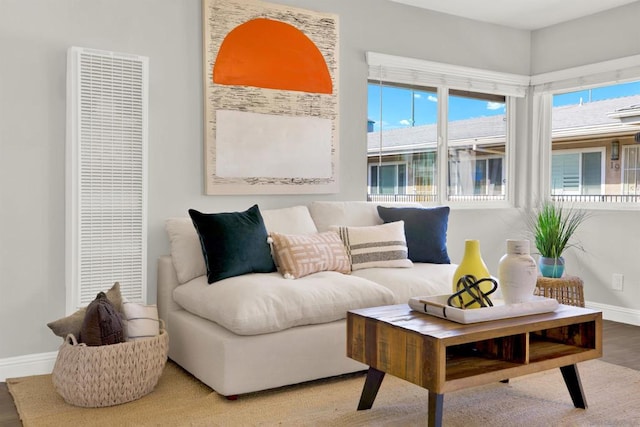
{"type": "Point", "coordinates": [621, 344]}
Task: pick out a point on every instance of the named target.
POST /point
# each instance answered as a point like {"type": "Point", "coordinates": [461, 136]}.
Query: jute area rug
{"type": "Point", "coordinates": [612, 392]}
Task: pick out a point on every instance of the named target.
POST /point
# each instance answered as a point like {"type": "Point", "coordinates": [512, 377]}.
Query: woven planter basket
{"type": "Point", "coordinates": [567, 289]}
{"type": "Point", "coordinates": [107, 375]}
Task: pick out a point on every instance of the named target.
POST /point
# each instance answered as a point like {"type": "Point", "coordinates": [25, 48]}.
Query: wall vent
{"type": "Point", "coordinates": [107, 105]}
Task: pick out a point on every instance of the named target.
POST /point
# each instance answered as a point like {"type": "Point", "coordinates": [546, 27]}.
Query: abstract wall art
{"type": "Point", "coordinates": [271, 98]}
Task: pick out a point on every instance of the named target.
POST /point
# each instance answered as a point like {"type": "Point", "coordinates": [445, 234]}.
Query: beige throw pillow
{"type": "Point", "coordinates": [72, 323]}
{"type": "Point", "coordinates": [375, 246]}
{"type": "Point", "coordinates": [302, 254]}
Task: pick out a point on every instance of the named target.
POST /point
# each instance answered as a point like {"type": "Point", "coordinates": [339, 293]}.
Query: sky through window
{"type": "Point", "coordinates": [403, 107]}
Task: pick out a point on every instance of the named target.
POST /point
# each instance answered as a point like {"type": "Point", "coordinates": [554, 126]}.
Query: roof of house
{"type": "Point", "coordinates": [578, 119]}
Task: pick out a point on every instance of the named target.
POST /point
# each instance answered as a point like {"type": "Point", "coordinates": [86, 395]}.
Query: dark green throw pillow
{"type": "Point", "coordinates": [425, 230]}
{"type": "Point", "coordinates": [233, 243]}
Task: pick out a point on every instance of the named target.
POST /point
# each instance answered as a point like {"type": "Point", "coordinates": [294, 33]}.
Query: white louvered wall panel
{"type": "Point", "coordinates": [106, 174]}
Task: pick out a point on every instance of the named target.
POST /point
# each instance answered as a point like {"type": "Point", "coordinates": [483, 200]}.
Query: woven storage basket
{"type": "Point", "coordinates": [95, 376]}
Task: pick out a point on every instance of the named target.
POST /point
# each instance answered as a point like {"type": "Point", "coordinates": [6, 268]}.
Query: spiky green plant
{"type": "Point", "coordinates": [553, 227]}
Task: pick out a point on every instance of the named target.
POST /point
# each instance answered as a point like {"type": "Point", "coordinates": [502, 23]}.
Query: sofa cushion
{"type": "Point", "coordinates": [293, 220]}
{"type": "Point", "coordinates": [426, 231]}
{"type": "Point", "coordinates": [233, 243]}
{"type": "Point", "coordinates": [352, 213]}
{"type": "Point", "coordinates": [299, 255]}
{"type": "Point", "coordinates": [326, 214]}
{"type": "Point", "coordinates": [262, 303]}
{"type": "Point", "coordinates": [381, 245]}
{"type": "Point", "coordinates": [186, 251]}
{"type": "Point", "coordinates": [421, 280]}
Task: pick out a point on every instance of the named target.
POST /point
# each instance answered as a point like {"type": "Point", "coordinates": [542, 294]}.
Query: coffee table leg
{"type": "Point", "coordinates": [572, 380]}
{"type": "Point", "coordinates": [436, 402]}
{"type": "Point", "coordinates": [371, 387]}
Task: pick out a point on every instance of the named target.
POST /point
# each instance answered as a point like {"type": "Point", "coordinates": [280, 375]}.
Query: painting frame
{"type": "Point", "coordinates": [298, 127]}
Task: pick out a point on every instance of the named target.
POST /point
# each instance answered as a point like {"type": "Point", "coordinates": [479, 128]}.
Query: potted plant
{"type": "Point", "coordinates": [553, 227]}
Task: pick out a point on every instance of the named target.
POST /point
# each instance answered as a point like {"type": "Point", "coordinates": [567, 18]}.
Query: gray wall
{"type": "Point", "coordinates": [34, 37]}
{"type": "Point", "coordinates": [601, 37]}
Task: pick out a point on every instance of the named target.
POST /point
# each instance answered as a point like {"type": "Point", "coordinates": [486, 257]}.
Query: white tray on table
{"type": "Point", "coordinates": [437, 306]}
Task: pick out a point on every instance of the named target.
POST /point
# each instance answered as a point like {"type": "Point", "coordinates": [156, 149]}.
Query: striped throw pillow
{"type": "Point", "coordinates": [302, 254]}
{"type": "Point", "coordinates": [142, 320]}
{"type": "Point", "coordinates": [375, 246]}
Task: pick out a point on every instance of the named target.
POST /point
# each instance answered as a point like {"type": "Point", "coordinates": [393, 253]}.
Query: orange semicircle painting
{"type": "Point", "coordinates": [271, 54]}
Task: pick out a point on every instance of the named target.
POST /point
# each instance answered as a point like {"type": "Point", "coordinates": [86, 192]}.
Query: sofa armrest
{"type": "Point", "coordinates": [167, 282]}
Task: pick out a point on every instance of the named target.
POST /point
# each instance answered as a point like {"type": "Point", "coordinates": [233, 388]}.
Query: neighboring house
{"type": "Point", "coordinates": [596, 152]}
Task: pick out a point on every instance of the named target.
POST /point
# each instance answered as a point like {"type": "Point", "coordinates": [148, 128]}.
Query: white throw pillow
{"type": "Point", "coordinates": [142, 320]}
{"type": "Point", "coordinates": [186, 251]}
{"type": "Point", "coordinates": [382, 245]}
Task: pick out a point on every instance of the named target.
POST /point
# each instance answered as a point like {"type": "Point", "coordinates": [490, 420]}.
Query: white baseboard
{"type": "Point", "coordinates": [30, 364]}
{"type": "Point", "coordinates": [42, 363]}
{"type": "Point", "coordinates": [615, 313]}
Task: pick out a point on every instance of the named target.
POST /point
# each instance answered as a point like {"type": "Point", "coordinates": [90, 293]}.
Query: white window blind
{"type": "Point", "coordinates": [584, 77]}
{"type": "Point", "coordinates": [412, 71]}
{"type": "Point", "coordinates": [565, 173]}
{"type": "Point", "coordinates": [106, 174]}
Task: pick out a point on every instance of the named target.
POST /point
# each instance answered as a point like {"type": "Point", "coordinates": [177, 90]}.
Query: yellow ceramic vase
{"type": "Point", "coordinates": [471, 264]}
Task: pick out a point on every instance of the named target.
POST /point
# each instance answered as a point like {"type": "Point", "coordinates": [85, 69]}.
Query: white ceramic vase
{"type": "Point", "coordinates": [517, 273]}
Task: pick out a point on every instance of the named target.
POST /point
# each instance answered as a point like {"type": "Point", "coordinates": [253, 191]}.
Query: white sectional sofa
{"type": "Point", "coordinates": [258, 331]}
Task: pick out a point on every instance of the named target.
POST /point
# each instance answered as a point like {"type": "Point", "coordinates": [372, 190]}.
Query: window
{"type": "Point", "coordinates": [593, 139]}
{"type": "Point", "coordinates": [577, 173]}
{"type": "Point", "coordinates": [402, 142]}
{"type": "Point", "coordinates": [388, 179]}
{"type": "Point", "coordinates": [631, 171]}
{"type": "Point", "coordinates": [403, 134]}
{"type": "Point", "coordinates": [449, 127]}
{"type": "Point", "coordinates": [477, 146]}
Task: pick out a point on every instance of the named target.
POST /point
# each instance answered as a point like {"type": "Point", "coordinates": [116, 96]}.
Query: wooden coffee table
{"type": "Point", "coordinates": [443, 356]}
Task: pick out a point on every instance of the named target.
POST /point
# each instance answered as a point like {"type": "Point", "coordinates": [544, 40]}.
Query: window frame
{"type": "Point", "coordinates": [543, 87]}
{"type": "Point", "coordinates": [401, 72]}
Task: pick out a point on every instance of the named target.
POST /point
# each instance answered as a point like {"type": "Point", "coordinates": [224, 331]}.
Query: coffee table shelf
{"type": "Point", "coordinates": [472, 366]}
{"type": "Point", "coordinates": [548, 350]}
{"type": "Point", "coordinates": [444, 356]}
